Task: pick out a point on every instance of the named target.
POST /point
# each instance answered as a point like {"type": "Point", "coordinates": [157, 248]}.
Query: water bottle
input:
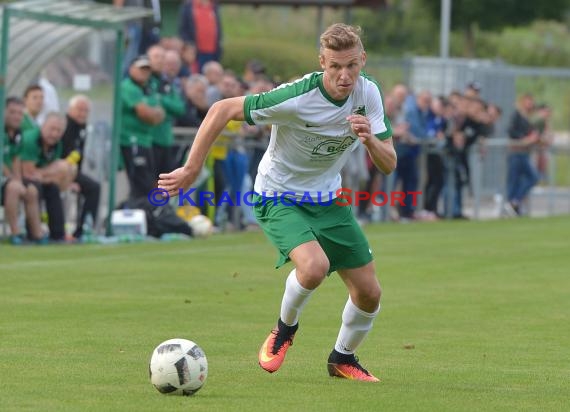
{"type": "Point", "coordinates": [88, 229]}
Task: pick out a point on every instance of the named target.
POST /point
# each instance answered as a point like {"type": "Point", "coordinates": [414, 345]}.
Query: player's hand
{"type": "Point", "coordinates": [360, 127]}
{"type": "Point", "coordinates": [180, 178]}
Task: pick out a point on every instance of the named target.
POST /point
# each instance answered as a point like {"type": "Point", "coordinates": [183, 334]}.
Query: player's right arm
{"type": "Point", "coordinates": [217, 118]}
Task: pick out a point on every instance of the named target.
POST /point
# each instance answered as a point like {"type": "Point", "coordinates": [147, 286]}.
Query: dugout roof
{"type": "Point", "coordinates": [34, 32]}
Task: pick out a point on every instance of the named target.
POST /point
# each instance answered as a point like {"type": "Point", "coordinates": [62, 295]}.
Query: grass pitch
{"type": "Point", "coordinates": [475, 317]}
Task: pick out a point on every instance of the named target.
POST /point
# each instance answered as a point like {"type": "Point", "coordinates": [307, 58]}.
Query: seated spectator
{"type": "Point", "coordinates": [42, 166]}
{"type": "Point", "coordinates": [34, 103]}
{"type": "Point", "coordinates": [73, 140]}
{"type": "Point", "coordinates": [14, 191]}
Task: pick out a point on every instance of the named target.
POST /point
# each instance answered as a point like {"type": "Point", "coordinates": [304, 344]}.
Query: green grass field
{"type": "Point", "coordinates": [485, 306]}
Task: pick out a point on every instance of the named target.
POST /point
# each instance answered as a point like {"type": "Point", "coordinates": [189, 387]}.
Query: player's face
{"type": "Point", "coordinates": [341, 70]}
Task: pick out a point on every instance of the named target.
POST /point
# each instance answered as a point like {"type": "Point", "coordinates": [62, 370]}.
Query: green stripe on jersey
{"type": "Point", "coordinates": [279, 95]}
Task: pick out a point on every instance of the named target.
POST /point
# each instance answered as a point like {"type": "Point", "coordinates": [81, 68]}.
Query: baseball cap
{"type": "Point", "coordinates": [474, 85]}
{"type": "Point", "coordinates": [141, 61]}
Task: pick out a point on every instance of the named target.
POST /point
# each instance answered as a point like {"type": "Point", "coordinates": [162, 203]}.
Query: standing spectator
{"type": "Point", "coordinates": [141, 34]}
{"type": "Point", "coordinates": [168, 90]}
{"type": "Point", "coordinates": [133, 35]}
{"type": "Point", "coordinates": [51, 99]}
{"type": "Point", "coordinates": [521, 175]}
{"type": "Point", "coordinates": [189, 56]}
{"type": "Point", "coordinates": [33, 102]}
{"type": "Point", "coordinates": [73, 141]}
{"type": "Point", "coordinates": [196, 102]}
{"type": "Point", "coordinates": [14, 191]}
{"type": "Point", "coordinates": [541, 121]}
{"type": "Point", "coordinates": [199, 23]}
{"type": "Point", "coordinates": [408, 150]}
{"type": "Point", "coordinates": [214, 72]}
{"type": "Point", "coordinates": [42, 166]}
{"type": "Point", "coordinates": [140, 111]}
{"type": "Point", "coordinates": [436, 128]}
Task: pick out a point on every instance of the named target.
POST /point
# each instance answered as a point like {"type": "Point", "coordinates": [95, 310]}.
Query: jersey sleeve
{"type": "Point", "coordinates": [379, 122]}
{"type": "Point", "coordinates": [29, 150]}
{"type": "Point", "coordinates": [131, 96]}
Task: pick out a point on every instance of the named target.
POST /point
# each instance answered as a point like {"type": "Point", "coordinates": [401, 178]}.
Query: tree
{"type": "Point", "coordinates": [467, 15]}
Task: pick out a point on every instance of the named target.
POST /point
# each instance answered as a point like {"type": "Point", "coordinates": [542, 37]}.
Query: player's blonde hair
{"type": "Point", "coordinates": [340, 36]}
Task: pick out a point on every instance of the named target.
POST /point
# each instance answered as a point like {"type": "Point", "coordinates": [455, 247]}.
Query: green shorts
{"type": "Point", "coordinates": [333, 226]}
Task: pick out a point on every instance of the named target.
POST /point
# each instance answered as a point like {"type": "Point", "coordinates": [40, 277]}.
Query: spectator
{"type": "Point", "coordinates": [171, 102]}
{"type": "Point", "coordinates": [33, 102]}
{"type": "Point", "coordinates": [521, 175]}
{"type": "Point", "coordinates": [73, 141]}
{"type": "Point", "coordinates": [408, 150]}
{"type": "Point", "coordinates": [141, 34]}
{"type": "Point", "coordinates": [199, 23]}
{"type": "Point", "coordinates": [541, 121]}
{"type": "Point", "coordinates": [436, 128]}
{"type": "Point", "coordinates": [196, 102]}
{"type": "Point", "coordinates": [140, 111]}
{"type": "Point", "coordinates": [42, 166]}
{"type": "Point", "coordinates": [51, 99]}
{"type": "Point", "coordinates": [254, 71]}
{"type": "Point", "coordinates": [189, 60]}
{"type": "Point", "coordinates": [14, 191]}
{"type": "Point", "coordinates": [473, 90]}
{"type": "Point", "coordinates": [214, 72]}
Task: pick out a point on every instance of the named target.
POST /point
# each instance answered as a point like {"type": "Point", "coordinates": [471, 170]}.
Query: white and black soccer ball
{"type": "Point", "coordinates": [201, 226]}
{"type": "Point", "coordinates": [178, 367]}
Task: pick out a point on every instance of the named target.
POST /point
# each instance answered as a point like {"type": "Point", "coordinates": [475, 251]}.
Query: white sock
{"type": "Point", "coordinates": [356, 324]}
{"type": "Point", "coordinates": [294, 299]}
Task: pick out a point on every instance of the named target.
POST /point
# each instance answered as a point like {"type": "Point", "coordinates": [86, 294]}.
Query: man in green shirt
{"type": "Point", "coordinates": [43, 167]}
{"type": "Point", "coordinates": [140, 111]}
{"type": "Point", "coordinates": [164, 84]}
{"type": "Point", "coordinates": [13, 189]}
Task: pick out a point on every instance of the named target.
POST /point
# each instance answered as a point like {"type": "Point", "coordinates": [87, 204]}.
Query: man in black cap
{"type": "Point", "coordinates": [140, 111]}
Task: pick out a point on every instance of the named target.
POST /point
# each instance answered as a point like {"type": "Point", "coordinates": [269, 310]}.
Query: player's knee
{"type": "Point", "coordinates": [314, 270]}
{"type": "Point", "coordinates": [369, 297]}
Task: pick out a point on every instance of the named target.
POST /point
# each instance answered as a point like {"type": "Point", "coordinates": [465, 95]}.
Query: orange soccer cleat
{"type": "Point", "coordinates": [347, 367]}
{"type": "Point", "coordinates": [273, 350]}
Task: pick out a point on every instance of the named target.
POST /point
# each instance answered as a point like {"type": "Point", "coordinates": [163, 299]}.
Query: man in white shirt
{"type": "Point", "coordinates": [316, 122]}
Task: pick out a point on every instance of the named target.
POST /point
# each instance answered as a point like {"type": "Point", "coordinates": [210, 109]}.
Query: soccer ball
{"type": "Point", "coordinates": [178, 367]}
{"type": "Point", "coordinates": [201, 226]}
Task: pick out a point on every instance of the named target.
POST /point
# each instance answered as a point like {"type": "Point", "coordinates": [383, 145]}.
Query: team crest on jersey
{"type": "Point", "coordinates": [331, 147]}
{"type": "Point", "coordinates": [359, 110]}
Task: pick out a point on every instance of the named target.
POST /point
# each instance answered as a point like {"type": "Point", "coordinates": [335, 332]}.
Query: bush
{"type": "Point", "coordinates": [283, 59]}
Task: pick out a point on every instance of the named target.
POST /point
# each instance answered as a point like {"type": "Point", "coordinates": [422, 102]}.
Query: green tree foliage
{"type": "Point", "coordinates": [494, 14]}
{"type": "Point", "coordinates": [404, 26]}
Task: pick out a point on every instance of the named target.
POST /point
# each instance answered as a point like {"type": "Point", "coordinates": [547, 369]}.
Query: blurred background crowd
{"type": "Point", "coordinates": [170, 83]}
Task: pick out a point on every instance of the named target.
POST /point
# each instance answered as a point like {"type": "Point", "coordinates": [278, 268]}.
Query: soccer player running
{"type": "Point", "coordinates": [316, 122]}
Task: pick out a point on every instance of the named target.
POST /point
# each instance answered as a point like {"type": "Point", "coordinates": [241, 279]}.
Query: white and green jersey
{"type": "Point", "coordinates": [311, 139]}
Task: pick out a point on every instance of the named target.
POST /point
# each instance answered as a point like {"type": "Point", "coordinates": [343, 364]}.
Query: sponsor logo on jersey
{"type": "Point", "coordinates": [359, 110]}
{"type": "Point", "coordinates": [332, 147]}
